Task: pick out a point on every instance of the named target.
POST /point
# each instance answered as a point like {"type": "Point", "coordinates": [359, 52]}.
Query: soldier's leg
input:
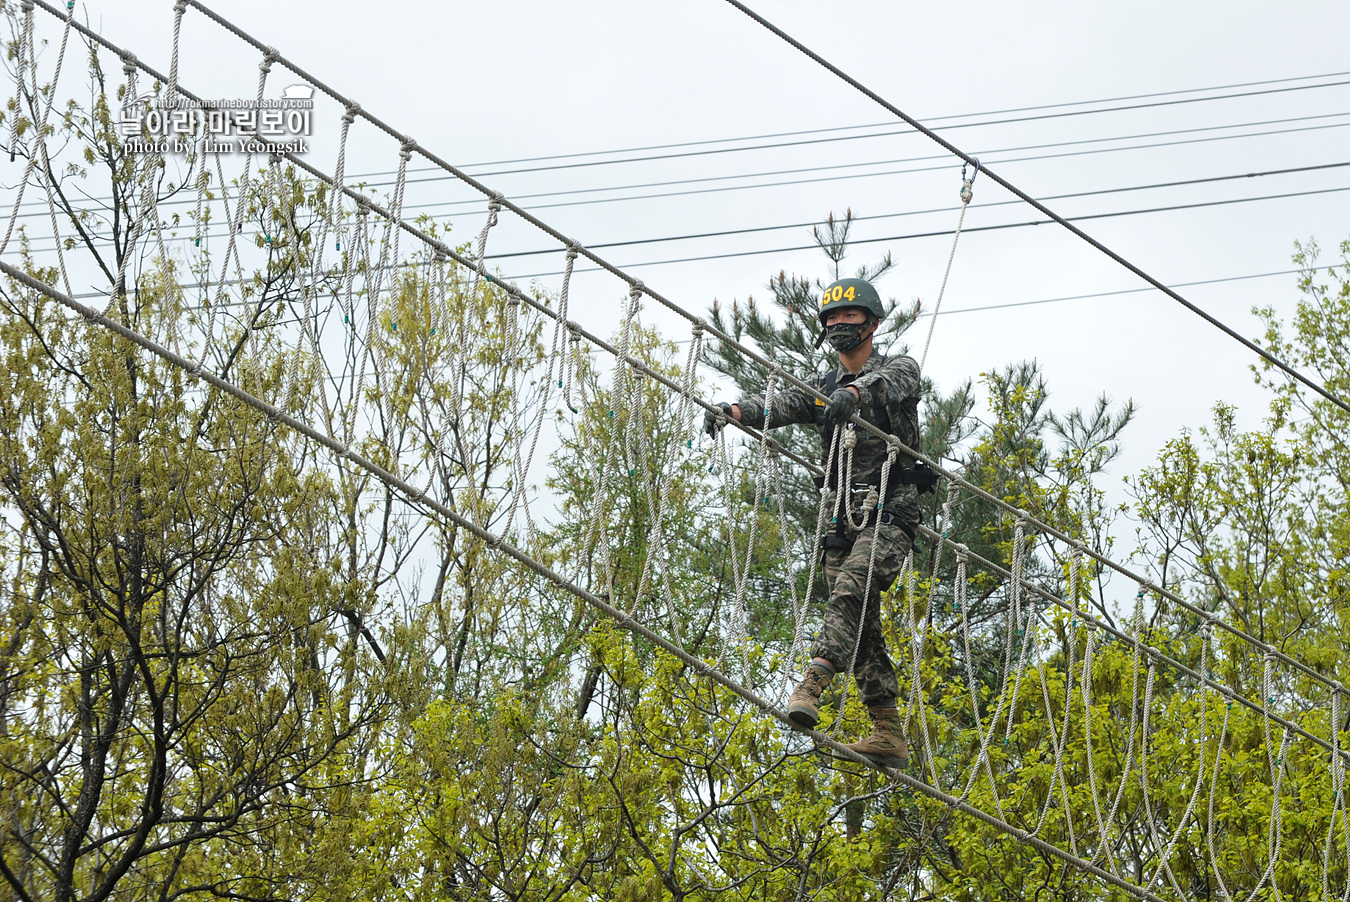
{"type": "Point", "coordinates": [838, 628]}
{"type": "Point", "coordinates": [874, 671]}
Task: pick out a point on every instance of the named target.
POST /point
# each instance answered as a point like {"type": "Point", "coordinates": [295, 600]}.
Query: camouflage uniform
{"type": "Point", "coordinates": [888, 390]}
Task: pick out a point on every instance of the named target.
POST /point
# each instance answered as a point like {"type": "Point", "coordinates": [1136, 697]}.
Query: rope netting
{"type": "Point", "coordinates": [294, 290]}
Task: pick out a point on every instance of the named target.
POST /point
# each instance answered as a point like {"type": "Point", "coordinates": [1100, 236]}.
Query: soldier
{"type": "Point", "coordinates": [883, 391]}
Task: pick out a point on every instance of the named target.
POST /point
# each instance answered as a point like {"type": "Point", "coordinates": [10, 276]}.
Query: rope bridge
{"type": "Point", "coordinates": [323, 298]}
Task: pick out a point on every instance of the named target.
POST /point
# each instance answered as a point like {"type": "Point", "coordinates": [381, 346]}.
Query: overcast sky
{"type": "Point", "coordinates": [481, 83]}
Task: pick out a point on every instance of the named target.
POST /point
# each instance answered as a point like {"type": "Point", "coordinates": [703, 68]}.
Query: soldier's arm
{"type": "Point", "coordinates": [790, 405]}
{"type": "Point", "coordinates": [890, 384]}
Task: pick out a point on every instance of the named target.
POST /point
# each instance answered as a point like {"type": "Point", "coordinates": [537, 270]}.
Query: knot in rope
{"type": "Point", "coordinates": [180, 6]}
{"type": "Point", "coordinates": [636, 288]}
{"type": "Point", "coordinates": [406, 148]}
{"type": "Point", "coordinates": [962, 552]}
{"type": "Point", "coordinates": [270, 56]}
{"type": "Point", "coordinates": [700, 326]}
{"type": "Point", "coordinates": [495, 201]}
{"type": "Point", "coordinates": [850, 438]}
{"type": "Point", "coordinates": [352, 109]}
{"type": "Point", "coordinates": [573, 248]}
{"type": "Point", "coordinates": [26, 6]}
{"type": "Point", "coordinates": [362, 205]}
{"type": "Point", "coordinates": [128, 59]}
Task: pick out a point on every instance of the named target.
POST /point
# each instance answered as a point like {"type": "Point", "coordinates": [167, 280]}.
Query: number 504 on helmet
{"type": "Point", "coordinates": [846, 293]}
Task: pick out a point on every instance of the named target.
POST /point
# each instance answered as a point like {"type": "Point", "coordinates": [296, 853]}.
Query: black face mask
{"type": "Point", "coordinates": [844, 337]}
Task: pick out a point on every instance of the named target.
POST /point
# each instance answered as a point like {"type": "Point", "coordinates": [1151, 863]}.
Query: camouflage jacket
{"type": "Point", "coordinates": [888, 397]}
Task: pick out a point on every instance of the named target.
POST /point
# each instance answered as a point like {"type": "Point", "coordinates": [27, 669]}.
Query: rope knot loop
{"type": "Point", "coordinates": [406, 148]}
{"type": "Point", "coordinates": [128, 60]}
{"type": "Point", "coordinates": [636, 288]}
{"type": "Point", "coordinates": [495, 201]}
{"type": "Point", "coordinates": [352, 109]}
{"type": "Point", "coordinates": [962, 552]}
{"type": "Point", "coordinates": [573, 248]}
{"type": "Point", "coordinates": [700, 326]}
{"type": "Point", "coordinates": [270, 56]}
{"type": "Point", "coordinates": [26, 6]}
{"type": "Point", "coordinates": [850, 438]}
{"type": "Point", "coordinates": [180, 6]}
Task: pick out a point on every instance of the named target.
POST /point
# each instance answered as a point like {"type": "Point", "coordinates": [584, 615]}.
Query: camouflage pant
{"type": "Point", "coordinates": [846, 579]}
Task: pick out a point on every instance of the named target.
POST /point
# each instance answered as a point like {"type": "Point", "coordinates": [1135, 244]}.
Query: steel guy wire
{"type": "Point", "coordinates": [1044, 210]}
{"type": "Point", "coordinates": [496, 543]}
{"type": "Point", "coordinates": [749, 353]}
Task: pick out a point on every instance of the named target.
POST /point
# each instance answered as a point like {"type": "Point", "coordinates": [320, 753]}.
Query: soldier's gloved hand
{"type": "Point", "coordinates": [713, 421]}
{"type": "Point", "coordinates": [842, 405]}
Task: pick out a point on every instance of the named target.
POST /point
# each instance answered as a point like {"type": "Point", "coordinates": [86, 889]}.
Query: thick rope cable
{"type": "Point", "coordinates": [1128, 766]}
{"type": "Point", "coordinates": [966, 194]}
{"type": "Point", "coordinates": [24, 54]}
{"type": "Point", "coordinates": [721, 336]}
{"type": "Point", "coordinates": [1043, 209]}
{"type": "Point", "coordinates": [984, 732]}
{"type": "Point", "coordinates": [1163, 866]}
{"type": "Point", "coordinates": [1338, 807]}
{"type": "Point", "coordinates": [498, 544]}
{"type": "Point", "coordinates": [1213, 791]}
{"type": "Point", "coordinates": [1184, 820]}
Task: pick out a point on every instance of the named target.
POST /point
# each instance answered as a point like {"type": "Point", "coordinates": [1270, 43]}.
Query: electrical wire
{"type": "Point", "coordinates": [892, 131]}
{"type": "Point", "coordinates": [945, 232]}
{"type": "Point", "coordinates": [40, 211]}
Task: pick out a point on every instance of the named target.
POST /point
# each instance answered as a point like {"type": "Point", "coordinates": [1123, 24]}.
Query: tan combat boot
{"type": "Point", "coordinates": [886, 746]}
{"type": "Point", "coordinates": [804, 706]}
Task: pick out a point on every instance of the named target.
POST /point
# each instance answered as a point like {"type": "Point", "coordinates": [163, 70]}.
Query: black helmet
{"type": "Point", "coordinates": [847, 293]}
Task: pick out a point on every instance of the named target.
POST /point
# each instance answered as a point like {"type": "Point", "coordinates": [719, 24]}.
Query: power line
{"type": "Point", "coordinates": [944, 232]}
{"type": "Point", "coordinates": [839, 128]}
{"type": "Point", "coordinates": [889, 133]}
{"type": "Point", "coordinates": [992, 176]}
{"type": "Point", "coordinates": [39, 208]}
{"type": "Point", "coordinates": [1105, 294]}
{"type": "Point", "coordinates": [1000, 203]}
{"type": "Point", "coordinates": [861, 175]}
{"type": "Point", "coordinates": [878, 216]}
{"type": "Point", "coordinates": [918, 159]}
